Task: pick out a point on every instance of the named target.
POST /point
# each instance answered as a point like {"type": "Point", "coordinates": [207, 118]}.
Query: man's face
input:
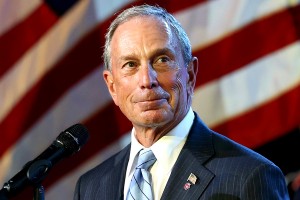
{"type": "Point", "coordinates": [149, 80]}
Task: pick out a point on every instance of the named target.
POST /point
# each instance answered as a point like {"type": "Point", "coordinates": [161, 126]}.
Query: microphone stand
{"type": "Point", "coordinates": [3, 196]}
{"type": "Point", "coordinates": [36, 174]}
{"type": "Point", "coordinates": [39, 193]}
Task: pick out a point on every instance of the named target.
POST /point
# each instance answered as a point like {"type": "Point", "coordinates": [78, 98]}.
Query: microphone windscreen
{"type": "Point", "coordinates": [73, 138]}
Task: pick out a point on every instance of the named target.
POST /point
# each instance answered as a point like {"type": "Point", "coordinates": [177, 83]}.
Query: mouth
{"type": "Point", "coordinates": [151, 101]}
{"type": "Point", "coordinates": [152, 104]}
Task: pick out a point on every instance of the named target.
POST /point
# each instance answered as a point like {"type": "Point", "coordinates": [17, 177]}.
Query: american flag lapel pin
{"type": "Point", "coordinates": [190, 181]}
{"type": "Point", "coordinates": [192, 178]}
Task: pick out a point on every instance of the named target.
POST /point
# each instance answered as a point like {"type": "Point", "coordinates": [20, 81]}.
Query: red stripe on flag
{"type": "Point", "coordinates": [266, 122]}
{"type": "Point", "coordinates": [15, 42]}
{"type": "Point", "coordinates": [248, 44]}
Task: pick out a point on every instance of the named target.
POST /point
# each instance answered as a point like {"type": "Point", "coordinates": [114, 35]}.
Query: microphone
{"type": "Point", "coordinates": [67, 143]}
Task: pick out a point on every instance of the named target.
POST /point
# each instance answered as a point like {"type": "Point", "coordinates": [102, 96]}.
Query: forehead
{"type": "Point", "coordinates": [146, 30]}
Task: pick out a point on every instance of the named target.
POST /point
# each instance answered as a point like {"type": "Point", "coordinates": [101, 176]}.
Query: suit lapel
{"type": "Point", "coordinates": [116, 175]}
{"type": "Point", "coordinates": [196, 151]}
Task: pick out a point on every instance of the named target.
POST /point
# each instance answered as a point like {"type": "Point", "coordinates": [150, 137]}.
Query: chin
{"type": "Point", "coordinates": [154, 118]}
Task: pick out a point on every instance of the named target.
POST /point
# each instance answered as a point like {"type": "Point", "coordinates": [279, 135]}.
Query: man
{"type": "Point", "coordinates": [151, 74]}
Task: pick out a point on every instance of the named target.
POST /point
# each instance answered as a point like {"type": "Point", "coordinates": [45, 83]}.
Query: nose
{"type": "Point", "coordinates": [148, 77]}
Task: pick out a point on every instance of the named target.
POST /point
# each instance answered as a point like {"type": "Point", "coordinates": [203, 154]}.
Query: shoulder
{"type": "Point", "coordinates": [245, 171]}
{"type": "Point", "coordinates": [224, 152]}
{"type": "Point", "coordinates": [250, 169]}
{"type": "Point", "coordinates": [225, 147]}
{"type": "Point", "coordinates": [241, 168]}
{"type": "Point", "coordinates": [221, 146]}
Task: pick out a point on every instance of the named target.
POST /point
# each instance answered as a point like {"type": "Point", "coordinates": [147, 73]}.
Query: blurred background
{"type": "Point", "coordinates": [248, 84]}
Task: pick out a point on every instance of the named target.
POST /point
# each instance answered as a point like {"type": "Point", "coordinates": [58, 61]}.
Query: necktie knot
{"type": "Point", "coordinates": [146, 159]}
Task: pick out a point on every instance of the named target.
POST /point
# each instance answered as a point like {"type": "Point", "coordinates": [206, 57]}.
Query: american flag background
{"type": "Point", "coordinates": [248, 84]}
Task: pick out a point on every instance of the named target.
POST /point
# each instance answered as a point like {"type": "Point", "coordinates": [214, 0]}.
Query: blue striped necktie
{"type": "Point", "coordinates": [141, 183]}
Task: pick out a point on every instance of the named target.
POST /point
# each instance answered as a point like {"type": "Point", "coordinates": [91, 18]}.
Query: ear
{"type": "Point", "coordinates": [192, 70]}
{"type": "Point", "coordinates": [109, 80]}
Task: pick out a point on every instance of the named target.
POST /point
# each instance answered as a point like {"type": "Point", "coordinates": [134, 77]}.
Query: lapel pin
{"type": "Point", "coordinates": [187, 186]}
{"type": "Point", "coordinates": [191, 180]}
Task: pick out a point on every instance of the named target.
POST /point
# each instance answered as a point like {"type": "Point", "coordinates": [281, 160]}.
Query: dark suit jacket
{"type": "Point", "coordinates": [225, 170]}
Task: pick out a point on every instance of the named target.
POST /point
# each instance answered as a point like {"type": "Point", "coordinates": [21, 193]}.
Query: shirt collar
{"type": "Point", "coordinates": [166, 144]}
{"type": "Point", "coordinates": [168, 147]}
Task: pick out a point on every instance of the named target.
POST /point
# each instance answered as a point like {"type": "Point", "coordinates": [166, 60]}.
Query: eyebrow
{"type": "Point", "coordinates": [156, 52]}
{"type": "Point", "coordinates": [163, 51]}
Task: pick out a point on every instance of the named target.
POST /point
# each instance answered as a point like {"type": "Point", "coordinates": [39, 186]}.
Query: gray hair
{"type": "Point", "coordinates": [147, 10]}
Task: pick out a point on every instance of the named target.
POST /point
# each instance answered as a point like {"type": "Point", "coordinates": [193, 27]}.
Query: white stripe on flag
{"type": "Point", "coordinates": [249, 87]}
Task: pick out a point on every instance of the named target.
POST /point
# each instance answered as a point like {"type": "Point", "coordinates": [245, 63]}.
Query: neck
{"type": "Point", "coordinates": [148, 136]}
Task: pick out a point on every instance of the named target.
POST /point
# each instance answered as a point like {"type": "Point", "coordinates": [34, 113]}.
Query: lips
{"type": "Point", "coordinates": [151, 97]}
{"type": "Point", "coordinates": [152, 100]}
{"type": "Point", "coordinates": [156, 102]}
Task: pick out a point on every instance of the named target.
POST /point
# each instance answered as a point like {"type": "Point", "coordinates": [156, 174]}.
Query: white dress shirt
{"type": "Point", "coordinates": [166, 151]}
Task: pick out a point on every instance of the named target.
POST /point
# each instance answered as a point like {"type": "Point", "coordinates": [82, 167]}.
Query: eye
{"type": "Point", "coordinates": [163, 63]}
{"type": "Point", "coordinates": [130, 64]}
{"type": "Point", "coordinates": [163, 59]}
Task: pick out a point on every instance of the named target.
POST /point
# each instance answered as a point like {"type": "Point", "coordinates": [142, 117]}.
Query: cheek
{"type": "Point", "coordinates": [168, 81]}
{"type": "Point", "coordinates": [180, 81]}
{"type": "Point", "coordinates": [175, 85]}
{"type": "Point", "coordinates": [124, 90]}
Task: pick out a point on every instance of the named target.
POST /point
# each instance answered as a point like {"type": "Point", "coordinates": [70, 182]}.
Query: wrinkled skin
{"type": "Point", "coordinates": [149, 80]}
